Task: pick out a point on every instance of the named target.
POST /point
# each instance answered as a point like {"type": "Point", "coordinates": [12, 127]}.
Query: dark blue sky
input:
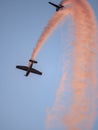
{"type": "Point", "coordinates": [24, 101]}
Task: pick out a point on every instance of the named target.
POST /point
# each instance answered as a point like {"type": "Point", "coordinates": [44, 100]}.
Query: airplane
{"type": "Point", "coordinates": [58, 7]}
{"type": "Point", "coordinates": [29, 69]}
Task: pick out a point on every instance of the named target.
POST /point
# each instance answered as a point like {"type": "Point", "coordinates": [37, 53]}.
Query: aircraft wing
{"type": "Point", "coordinates": [32, 70]}
{"type": "Point", "coordinates": [25, 68]}
{"type": "Point", "coordinates": [54, 5]}
{"type": "Point", "coordinates": [35, 71]}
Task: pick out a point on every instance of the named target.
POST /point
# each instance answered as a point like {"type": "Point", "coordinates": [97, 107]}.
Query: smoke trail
{"type": "Point", "coordinates": [84, 70]}
{"type": "Point", "coordinates": [79, 75]}
{"type": "Point", "coordinates": [52, 24]}
{"type": "Point", "coordinates": [83, 83]}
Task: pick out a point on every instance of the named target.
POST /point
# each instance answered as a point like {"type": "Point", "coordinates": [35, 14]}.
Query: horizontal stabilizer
{"type": "Point", "coordinates": [33, 61]}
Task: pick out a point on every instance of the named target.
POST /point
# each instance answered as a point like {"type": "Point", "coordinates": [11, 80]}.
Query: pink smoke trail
{"type": "Point", "coordinates": [80, 114]}
{"type": "Point", "coordinates": [83, 82]}
{"type": "Point", "coordinates": [52, 24]}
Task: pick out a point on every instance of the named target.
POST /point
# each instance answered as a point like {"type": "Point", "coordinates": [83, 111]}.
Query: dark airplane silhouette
{"type": "Point", "coordinates": [29, 69]}
{"type": "Point", "coordinates": [58, 7]}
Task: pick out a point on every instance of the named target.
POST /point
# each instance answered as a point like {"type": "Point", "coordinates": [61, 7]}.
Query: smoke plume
{"type": "Point", "coordinates": [52, 24]}
{"type": "Point", "coordinates": [81, 81]}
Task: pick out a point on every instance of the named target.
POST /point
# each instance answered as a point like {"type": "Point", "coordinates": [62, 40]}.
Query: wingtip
{"type": "Point", "coordinates": [41, 73]}
{"type": "Point", "coordinates": [16, 66]}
